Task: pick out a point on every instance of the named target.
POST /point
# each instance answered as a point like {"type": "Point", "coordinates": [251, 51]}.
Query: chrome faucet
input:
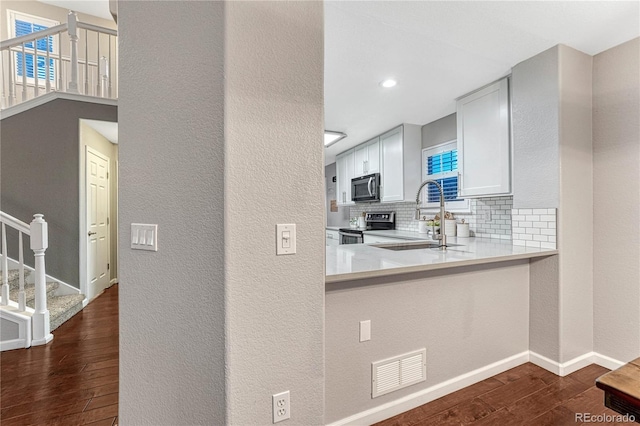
{"type": "Point", "coordinates": [441, 237]}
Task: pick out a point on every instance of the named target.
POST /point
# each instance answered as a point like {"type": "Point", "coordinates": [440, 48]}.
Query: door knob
{"type": "Point", "coordinates": [92, 233]}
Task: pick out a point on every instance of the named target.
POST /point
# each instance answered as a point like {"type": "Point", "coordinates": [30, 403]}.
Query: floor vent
{"type": "Point", "coordinates": [398, 372]}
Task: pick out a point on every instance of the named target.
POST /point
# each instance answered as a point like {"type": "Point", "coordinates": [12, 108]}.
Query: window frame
{"type": "Point", "coordinates": [12, 16]}
{"type": "Point", "coordinates": [458, 206]}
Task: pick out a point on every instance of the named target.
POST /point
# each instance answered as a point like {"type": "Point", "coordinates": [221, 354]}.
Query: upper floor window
{"type": "Point", "coordinates": [440, 163]}
{"type": "Point", "coordinates": [27, 64]}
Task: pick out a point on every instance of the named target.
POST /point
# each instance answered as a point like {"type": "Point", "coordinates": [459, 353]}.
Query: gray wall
{"type": "Point", "coordinates": [39, 164]}
{"type": "Point", "coordinates": [575, 217]}
{"type": "Point", "coordinates": [9, 330]}
{"type": "Point", "coordinates": [171, 173]}
{"type": "Point", "coordinates": [215, 282]}
{"type": "Point", "coordinates": [439, 131]}
{"type": "Point", "coordinates": [273, 132]}
{"type": "Point", "coordinates": [534, 103]}
{"type": "Point", "coordinates": [616, 191]}
{"type": "Point", "coordinates": [466, 318]}
{"type": "Point", "coordinates": [341, 217]}
{"type": "Point", "coordinates": [551, 103]}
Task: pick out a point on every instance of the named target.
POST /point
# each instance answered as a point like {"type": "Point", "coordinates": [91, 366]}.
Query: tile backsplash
{"type": "Point", "coordinates": [534, 227]}
{"type": "Point", "coordinates": [489, 217]}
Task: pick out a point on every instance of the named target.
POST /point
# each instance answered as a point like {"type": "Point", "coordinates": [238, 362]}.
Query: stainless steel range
{"type": "Point", "coordinates": [375, 221]}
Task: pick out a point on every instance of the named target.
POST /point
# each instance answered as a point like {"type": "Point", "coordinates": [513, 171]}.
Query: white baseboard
{"type": "Point", "coordinates": [574, 364]}
{"type": "Point", "coordinates": [424, 396]}
{"type": "Point", "coordinates": [113, 281]}
{"type": "Point", "coordinates": [607, 362]}
{"type": "Point", "coordinates": [419, 398]}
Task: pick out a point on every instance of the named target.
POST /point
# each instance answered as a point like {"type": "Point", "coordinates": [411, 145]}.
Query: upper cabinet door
{"type": "Point", "coordinates": [344, 174]}
{"type": "Point", "coordinates": [373, 156]}
{"type": "Point", "coordinates": [367, 158]}
{"type": "Point", "coordinates": [392, 166]}
{"type": "Point", "coordinates": [484, 159]}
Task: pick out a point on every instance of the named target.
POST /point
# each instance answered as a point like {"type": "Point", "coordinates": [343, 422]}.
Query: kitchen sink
{"type": "Point", "coordinates": [417, 245]}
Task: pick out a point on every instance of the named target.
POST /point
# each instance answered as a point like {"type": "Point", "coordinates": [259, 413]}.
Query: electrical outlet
{"type": "Point", "coordinates": [281, 407]}
{"type": "Point", "coordinates": [485, 215]}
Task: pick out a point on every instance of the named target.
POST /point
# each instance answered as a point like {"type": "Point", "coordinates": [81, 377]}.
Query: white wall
{"type": "Point", "coordinates": [466, 318]}
{"type": "Point", "coordinates": [214, 323]}
{"type": "Point", "coordinates": [171, 173]}
{"type": "Point", "coordinates": [616, 192]}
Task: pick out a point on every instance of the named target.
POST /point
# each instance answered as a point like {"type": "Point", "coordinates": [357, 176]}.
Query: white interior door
{"type": "Point", "coordinates": [97, 222]}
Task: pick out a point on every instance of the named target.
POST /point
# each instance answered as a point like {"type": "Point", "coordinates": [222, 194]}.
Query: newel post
{"type": "Point", "coordinates": [40, 319]}
{"type": "Point", "coordinates": [72, 28]}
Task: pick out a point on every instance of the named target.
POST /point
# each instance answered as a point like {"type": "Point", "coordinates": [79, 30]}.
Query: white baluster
{"type": "Point", "coordinates": [46, 76]}
{"type": "Point", "coordinates": [40, 318]}
{"type": "Point", "coordinates": [86, 62]}
{"type": "Point", "coordinates": [104, 75]}
{"type": "Point", "coordinates": [12, 86]}
{"type": "Point", "coordinates": [109, 67]}
{"type": "Point", "coordinates": [22, 298]}
{"type": "Point", "coordinates": [24, 74]}
{"type": "Point", "coordinates": [5, 268]}
{"type": "Point", "coordinates": [99, 82]}
{"type": "Point", "coordinates": [3, 104]}
{"type": "Point", "coordinates": [72, 26]}
{"type": "Point", "coordinates": [36, 89]}
{"type": "Point", "coordinates": [60, 71]}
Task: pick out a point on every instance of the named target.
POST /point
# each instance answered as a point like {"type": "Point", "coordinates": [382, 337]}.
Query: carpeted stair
{"type": "Point", "coordinates": [61, 308]}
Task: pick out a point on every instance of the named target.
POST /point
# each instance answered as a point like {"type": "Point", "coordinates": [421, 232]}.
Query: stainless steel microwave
{"type": "Point", "coordinates": [366, 189]}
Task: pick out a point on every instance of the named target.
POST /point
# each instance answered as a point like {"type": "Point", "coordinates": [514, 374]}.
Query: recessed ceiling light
{"type": "Point", "coordinates": [332, 137]}
{"type": "Point", "coordinates": [388, 83]}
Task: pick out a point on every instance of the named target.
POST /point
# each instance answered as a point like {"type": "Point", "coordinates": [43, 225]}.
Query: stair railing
{"type": "Point", "coordinates": [38, 234]}
{"type": "Point", "coordinates": [88, 67]}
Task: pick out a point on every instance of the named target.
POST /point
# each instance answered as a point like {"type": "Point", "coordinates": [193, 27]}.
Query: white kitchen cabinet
{"type": "Point", "coordinates": [484, 154]}
{"type": "Point", "coordinates": [344, 174]}
{"type": "Point", "coordinates": [401, 158]}
{"type": "Point", "coordinates": [332, 237]}
{"type": "Point", "coordinates": [367, 158]}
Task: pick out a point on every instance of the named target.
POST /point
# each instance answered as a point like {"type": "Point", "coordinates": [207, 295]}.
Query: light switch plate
{"type": "Point", "coordinates": [144, 236]}
{"type": "Point", "coordinates": [365, 330]}
{"type": "Point", "coordinates": [285, 239]}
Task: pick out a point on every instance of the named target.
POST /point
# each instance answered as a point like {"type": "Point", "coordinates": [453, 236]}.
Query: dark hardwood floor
{"type": "Point", "coordinates": [525, 395]}
{"type": "Point", "coordinates": [74, 381]}
{"type": "Point", "coordinates": [71, 381]}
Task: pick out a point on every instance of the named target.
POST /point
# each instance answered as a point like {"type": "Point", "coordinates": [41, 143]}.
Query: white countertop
{"type": "Point", "coordinates": [357, 261]}
{"type": "Point", "coordinates": [334, 228]}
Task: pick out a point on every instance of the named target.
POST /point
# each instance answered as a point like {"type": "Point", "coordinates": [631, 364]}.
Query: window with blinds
{"type": "Point", "coordinates": [29, 64]}
{"type": "Point", "coordinates": [440, 163]}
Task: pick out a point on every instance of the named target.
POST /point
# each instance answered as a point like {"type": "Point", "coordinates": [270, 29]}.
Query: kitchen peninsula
{"type": "Point", "coordinates": [359, 261]}
{"type": "Point", "coordinates": [467, 307]}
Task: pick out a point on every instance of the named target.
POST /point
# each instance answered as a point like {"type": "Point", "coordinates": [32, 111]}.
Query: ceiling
{"type": "Point", "coordinates": [108, 129]}
{"type": "Point", "coordinates": [441, 50]}
{"type": "Point", "coordinates": [99, 8]}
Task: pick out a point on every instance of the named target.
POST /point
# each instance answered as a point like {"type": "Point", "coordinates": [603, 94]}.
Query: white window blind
{"type": "Point", "coordinates": [440, 163]}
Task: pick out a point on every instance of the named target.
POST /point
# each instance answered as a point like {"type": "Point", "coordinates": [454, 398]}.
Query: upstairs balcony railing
{"type": "Point", "coordinates": [74, 57]}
